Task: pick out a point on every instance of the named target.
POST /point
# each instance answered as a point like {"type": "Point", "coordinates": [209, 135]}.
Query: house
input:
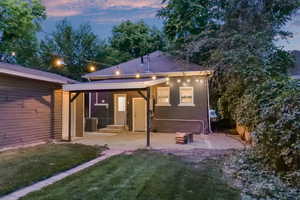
{"type": "Point", "coordinates": [157, 93]}
{"type": "Point", "coordinates": [32, 106]}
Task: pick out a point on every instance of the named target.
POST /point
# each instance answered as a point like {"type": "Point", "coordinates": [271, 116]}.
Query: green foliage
{"type": "Point", "coordinates": [185, 18]}
{"type": "Point", "coordinates": [19, 21]}
{"type": "Point", "coordinates": [137, 39]}
{"type": "Point", "coordinates": [75, 46]}
{"type": "Point", "coordinates": [250, 83]}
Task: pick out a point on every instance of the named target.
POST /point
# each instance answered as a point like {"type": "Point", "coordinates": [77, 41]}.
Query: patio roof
{"type": "Point", "coordinates": [114, 84]}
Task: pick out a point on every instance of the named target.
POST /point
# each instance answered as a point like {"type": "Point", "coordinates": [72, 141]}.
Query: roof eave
{"type": "Point", "coordinates": [169, 74]}
{"type": "Point", "coordinates": [34, 77]}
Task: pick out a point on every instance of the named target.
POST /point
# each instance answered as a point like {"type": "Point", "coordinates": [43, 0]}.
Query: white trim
{"type": "Point", "coordinates": [170, 74]}
{"type": "Point", "coordinates": [186, 104]}
{"type": "Point", "coordinates": [90, 104]}
{"type": "Point", "coordinates": [115, 108]}
{"type": "Point", "coordinates": [112, 86]}
{"type": "Point", "coordinates": [157, 96]}
{"type": "Point", "coordinates": [133, 121]}
{"type": "Point", "coordinates": [31, 76]}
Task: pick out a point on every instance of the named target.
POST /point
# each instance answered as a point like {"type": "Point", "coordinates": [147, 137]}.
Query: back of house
{"type": "Point", "coordinates": [178, 90]}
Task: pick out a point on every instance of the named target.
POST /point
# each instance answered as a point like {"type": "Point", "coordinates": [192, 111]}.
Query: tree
{"type": "Point", "coordinates": [19, 21]}
{"type": "Point", "coordinates": [185, 18]}
{"type": "Point", "coordinates": [137, 39]}
{"type": "Point", "coordinates": [77, 48]}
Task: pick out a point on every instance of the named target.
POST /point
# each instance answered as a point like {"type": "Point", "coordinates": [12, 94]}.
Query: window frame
{"type": "Point", "coordinates": [186, 104]}
{"type": "Point", "coordinates": [157, 96]}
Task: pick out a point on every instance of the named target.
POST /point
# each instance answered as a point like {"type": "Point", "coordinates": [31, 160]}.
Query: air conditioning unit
{"type": "Point", "coordinates": [91, 124]}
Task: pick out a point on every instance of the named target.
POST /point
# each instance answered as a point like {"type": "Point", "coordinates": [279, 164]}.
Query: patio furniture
{"type": "Point", "coordinates": [184, 138]}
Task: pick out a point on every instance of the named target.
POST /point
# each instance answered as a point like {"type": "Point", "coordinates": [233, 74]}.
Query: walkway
{"type": "Point", "coordinates": [39, 185]}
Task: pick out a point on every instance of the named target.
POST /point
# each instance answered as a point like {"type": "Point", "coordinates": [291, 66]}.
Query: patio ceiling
{"type": "Point", "coordinates": [114, 84]}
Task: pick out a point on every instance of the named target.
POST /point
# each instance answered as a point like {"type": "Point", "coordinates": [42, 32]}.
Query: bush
{"type": "Point", "coordinates": [272, 112]}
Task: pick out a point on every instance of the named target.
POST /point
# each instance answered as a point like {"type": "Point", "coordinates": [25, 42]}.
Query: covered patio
{"type": "Point", "coordinates": [133, 141]}
{"type": "Point", "coordinates": [141, 86]}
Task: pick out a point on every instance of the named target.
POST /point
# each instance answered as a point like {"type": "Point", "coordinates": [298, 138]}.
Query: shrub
{"type": "Point", "coordinates": [272, 112]}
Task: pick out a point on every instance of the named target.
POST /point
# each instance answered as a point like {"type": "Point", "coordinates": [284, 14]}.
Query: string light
{"type": "Point", "coordinates": [91, 68]}
{"type": "Point", "coordinates": [118, 72]}
{"type": "Point", "coordinates": [58, 62]}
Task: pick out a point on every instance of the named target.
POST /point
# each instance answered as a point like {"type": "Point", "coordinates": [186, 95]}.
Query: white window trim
{"type": "Point", "coordinates": [162, 104]}
{"type": "Point", "coordinates": [97, 103]}
{"type": "Point", "coordinates": [186, 104]}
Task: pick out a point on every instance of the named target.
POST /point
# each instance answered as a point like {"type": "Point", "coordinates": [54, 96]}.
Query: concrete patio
{"type": "Point", "coordinates": [132, 141]}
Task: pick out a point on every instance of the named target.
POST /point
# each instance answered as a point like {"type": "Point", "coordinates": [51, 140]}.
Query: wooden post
{"type": "Point", "coordinates": [148, 117]}
{"type": "Point", "coordinates": [70, 118]}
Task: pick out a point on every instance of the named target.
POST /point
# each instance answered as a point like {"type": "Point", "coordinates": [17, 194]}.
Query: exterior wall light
{"type": "Point", "coordinates": [167, 78]}
{"type": "Point", "coordinates": [178, 81]}
{"type": "Point", "coordinates": [197, 80]}
{"type": "Point", "coordinates": [184, 84]}
{"type": "Point", "coordinates": [137, 76]}
{"type": "Point", "coordinates": [13, 53]}
{"type": "Point", "coordinates": [189, 80]}
{"type": "Point", "coordinates": [153, 77]}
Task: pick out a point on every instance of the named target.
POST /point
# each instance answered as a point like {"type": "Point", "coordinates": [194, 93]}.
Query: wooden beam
{"type": "Point", "coordinates": [76, 95]}
{"type": "Point", "coordinates": [140, 92]}
{"type": "Point", "coordinates": [148, 117]}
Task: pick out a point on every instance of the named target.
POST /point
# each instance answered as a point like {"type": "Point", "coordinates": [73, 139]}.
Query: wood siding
{"type": "Point", "coordinates": [175, 118]}
{"type": "Point", "coordinates": [105, 114]}
{"type": "Point", "coordinates": [171, 118]}
{"type": "Point", "coordinates": [30, 111]}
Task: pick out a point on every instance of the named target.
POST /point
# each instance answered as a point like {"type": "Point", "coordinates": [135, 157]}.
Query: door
{"type": "Point", "coordinates": [120, 109]}
{"type": "Point", "coordinates": [139, 114]}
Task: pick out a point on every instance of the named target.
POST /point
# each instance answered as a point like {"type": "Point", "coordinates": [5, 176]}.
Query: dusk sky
{"type": "Point", "coordinates": [102, 15]}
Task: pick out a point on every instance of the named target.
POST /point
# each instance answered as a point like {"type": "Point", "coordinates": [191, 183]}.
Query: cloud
{"type": "Point", "coordinates": [64, 8]}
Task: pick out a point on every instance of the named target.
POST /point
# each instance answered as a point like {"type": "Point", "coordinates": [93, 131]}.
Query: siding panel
{"type": "Point", "coordinates": [30, 111]}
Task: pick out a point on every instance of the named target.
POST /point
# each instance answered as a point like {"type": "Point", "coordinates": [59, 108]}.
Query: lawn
{"type": "Point", "coordinates": [22, 167]}
{"type": "Point", "coordinates": [145, 175]}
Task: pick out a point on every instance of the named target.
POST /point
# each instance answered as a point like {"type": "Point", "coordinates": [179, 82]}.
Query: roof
{"type": "Point", "coordinates": [160, 64]}
{"type": "Point", "coordinates": [24, 72]}
{"type": "Point", "coordinates": [114, 84]}
{"type": "Point", "coordinates": [295, 71]}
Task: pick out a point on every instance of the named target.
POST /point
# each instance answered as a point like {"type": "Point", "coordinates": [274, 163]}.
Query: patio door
{"type": "Point", "coordinates": [139, 115]}
{"type": "Point", "coordinates": [120, 109]}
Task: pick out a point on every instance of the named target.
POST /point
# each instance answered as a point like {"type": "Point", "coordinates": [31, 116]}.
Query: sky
{"type": "Point", "coordinates": [102, 15]}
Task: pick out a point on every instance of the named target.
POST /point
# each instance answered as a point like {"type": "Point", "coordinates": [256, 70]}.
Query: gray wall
{"type": "Point", "coordinates": [172, 118]}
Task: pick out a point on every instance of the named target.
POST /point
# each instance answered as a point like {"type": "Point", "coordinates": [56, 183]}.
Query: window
{"type": "Point", "coordinates": [186, 96]}
{"type": "Point", "coordinates": [163, 96]}
{"type": "Point", "coordinates": [121, 104]}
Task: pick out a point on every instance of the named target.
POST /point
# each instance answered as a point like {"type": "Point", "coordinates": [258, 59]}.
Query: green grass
{"type": "Point", "coordinates": [144, 176]}
{"type": "Point", "coordinates": [22, 167]}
